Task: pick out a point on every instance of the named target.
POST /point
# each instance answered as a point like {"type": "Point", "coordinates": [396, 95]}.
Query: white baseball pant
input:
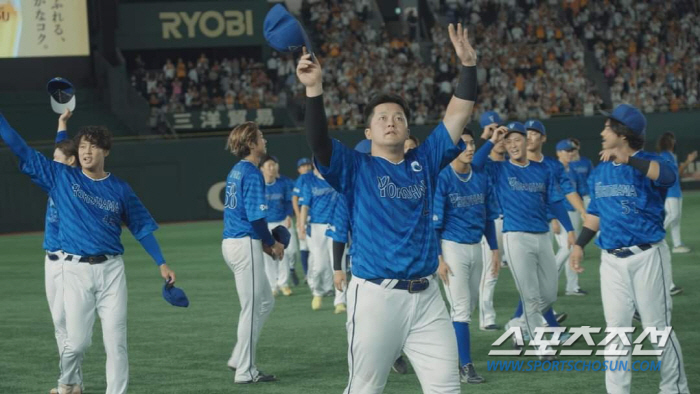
{"type": "Point", "coordinates": [487, 285]}
{"type": "Point", "coordinates": [462, 291]}
{"type": "Point", "coordinates": [641, 282]}
{"type": "Point", "coordinates": [293, 247]}
{"type": "Point", "coordinates": [244, 256]}
{"type": "Point", "coordinates": [563, 252]}
{"type": "Point", "coordinates": [88, 288]}
{"type": "Point", "coordinates": [382, 322]}
{"type": "Point", "coordinates": [531, 261]}
{"type": "Point", "coordinates": [674, 208]}
{"type": "Point", "coordinates": [277, 270]}
{"type": "Point", "coordinates": [320, 275]}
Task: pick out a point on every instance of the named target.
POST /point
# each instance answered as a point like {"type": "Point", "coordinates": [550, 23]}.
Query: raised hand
{"type": "Point", "coordinates": [488, 131]}
{"type": "Point", "coordinates": [310, 74]}
{"type": "Point", "coordinates": [618, 155]}
{"type": "Point", "coordinates": [498, 134]}
{"type": "Point", "coordinates": [460, 40]}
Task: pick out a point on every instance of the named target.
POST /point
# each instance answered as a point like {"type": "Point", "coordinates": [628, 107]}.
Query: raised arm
{"type": "Point", "coordinates": [62, 129]}
{"type": "Point", "coordinates": [460, 107]}
{"type": "Point", "coordinates": [658, 171]}
{"type": "Point", "coordinates": [310, 74]}
{"type": "Point", "coordinates": [40, 169]}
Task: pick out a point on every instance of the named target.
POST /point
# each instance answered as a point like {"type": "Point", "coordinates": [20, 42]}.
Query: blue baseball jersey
{"type": "Point", "coordinates": [320, 197]}
{"type": "Point", "coordinates": [245, 200]}
{"type": "Point", "coordinates": [289, 189]}
{"type": "Point", "coordinates": [493, 199]}
{"type": "Point", "coordinates": [583, 168]}
{"type": "Point", "coordinates": [630, 205]}
{"type": "Point", "coordinates": [339, 225]}
{"type": "Point", "coordinates": [675, 190]}
{"type": "Point", "coordinates": [299, 183]}
{"type": "Point", "coordinates": [525, 194]}
{"type": "Point", "coordinates": [390, 206]}
{"type": "Point", "coordinates": [278, 196]}
{"type": "Point", "coordinates": [462, 205]}
{"type": "Point", "coordinates": [562, 182]}
{"type": "Point", "coordinates": [576, 183]}
{"type": "Point", "coordinates": [51, 240]}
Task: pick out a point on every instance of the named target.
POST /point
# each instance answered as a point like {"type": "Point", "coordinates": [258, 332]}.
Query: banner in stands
{"type": "Point", "coordinates": [195, 121]}
{"type": "Point", "coordinates": [190, 24]}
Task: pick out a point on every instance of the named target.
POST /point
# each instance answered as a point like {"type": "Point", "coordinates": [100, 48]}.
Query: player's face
{"type": "Point", "coordinates": [564, 156]}
{"type": "Point", "coordinates": [60, 157]}
{"type": "Point", "coordinates": [610, 139]}
{"type": "Point", "coordinates": [516, 146]}
{"type": "Point", "coordinates": [91, 156]}
{"type": "Point", "coordinates": [276, 170]}
{"type": "Point", "coordinates": [304, 169]}
{"type": "Point", "coordinates": [408, 145]}
{"type": "Point", "coordinates": [535, 140]}
{"type": "Point", "coordinates": [388, 126]}
{"type": "Point", "coordinates": [268, 169]}
{"type": "Point", "coordinates": [260, 146]}
{"type": "Point", "coordinates": [468, 154]}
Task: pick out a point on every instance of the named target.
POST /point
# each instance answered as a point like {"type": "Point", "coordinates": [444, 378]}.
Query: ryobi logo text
{"type": "Point", "coordinates": [212, 24]}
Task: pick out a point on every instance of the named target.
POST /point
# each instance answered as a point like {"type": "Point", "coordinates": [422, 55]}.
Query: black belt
{"type": "Point", "coordinates": [412, 285]}
{"type": "Point", "coordinates": [88, 259]}
{"type": "Point", "coordinates": [626, 252]}
{"type": "Point", "coordinates": [52, 256]}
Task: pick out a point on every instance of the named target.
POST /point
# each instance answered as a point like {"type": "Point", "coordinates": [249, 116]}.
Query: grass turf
{"type": "Point", "coordinates": [176, 350]}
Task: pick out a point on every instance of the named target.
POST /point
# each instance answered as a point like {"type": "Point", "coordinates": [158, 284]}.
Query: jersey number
{"type": "Point", "coordinates": [629, 207]}
{"type": "Point", "coordinates": [231, 200]}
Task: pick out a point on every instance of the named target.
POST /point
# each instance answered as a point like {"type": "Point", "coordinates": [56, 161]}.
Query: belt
{"type": "Point", "coordinates": [411, 285]}
{"type": "Point", "coordinates": [52, 256]}
{"type": "Point", "coordinates": [88, 259]}
{"type": "Point", "coordinates": [627, 252]}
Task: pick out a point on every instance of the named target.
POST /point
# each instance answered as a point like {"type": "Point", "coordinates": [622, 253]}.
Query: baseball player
{"type": "Point", "coordinates": [583, 167]}
{"type": "Point", "coordinates": [628, 189]}
{"type": "Point", "coordinates": [92, 205]}
{"type": "Point", "coordinates": [317, 201]}
{"type": "Point", "coordinates": [292, 248]}
{"type": "Point", "coordinates": [519, 183]}
{"type": "Point", "coordinates": [66, 152]}
{"type": "Point", "coordinates": [304, 168]}
{"type": "Point", "coordinates": [411, 143]}
{"type": "Point", "coordinates": [489, 121]}
{"type": "Point", "coordinates": [394, 303]}
{"type": "Point", "coordinates": [278, 199]}
{"type": "Point", "coordinates": [462, 215]}
{"type": "Point", "coordinates": [246, 238]}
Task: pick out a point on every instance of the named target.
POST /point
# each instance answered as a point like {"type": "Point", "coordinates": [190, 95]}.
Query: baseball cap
{"type": "Point", "coordinates": [284, 32]}
{"type": "Point", "coordinates": [565, 145]}
{"type": "Point", "coordinates": [629, 116]}
{"type": "Point", "coordinates": [534, 124]}
{"type": "Point", "coordinates": [62, 95]}
{"type": "Point", "coordinates": [281, 235]}
{"type": "Point", "coordinates": [516, 127]}
{"type": "Point", "coordinates": [303, 161]}
{"type": "Point", "coordinates": [364, 146]}
{"type": "Point", "coordinates": [489, 117]}
{"type": "Point", "coordinates": [175, 296]}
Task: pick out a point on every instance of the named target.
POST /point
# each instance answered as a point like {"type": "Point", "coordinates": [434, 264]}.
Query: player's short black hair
{"type": "Point", "coordinates": [635, 141]}
{"type": "Point", "coordinates": [468, 131]}
{"type": "Point", "coordinates": [69, 148]}
{"type": "Point", "coordinates": [576, 142]}
{"type": "Point", "coordinates": [98, 135]}
{"type": "Point", "coordinates": [385, 98]}
{"type": "Point", "coordinates": [666, 142]}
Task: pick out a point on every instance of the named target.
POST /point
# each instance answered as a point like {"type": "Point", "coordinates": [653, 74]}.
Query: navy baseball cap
{"type": "Point", "coordinates": [281, 235]}
{"type": "Point", "coordinates": [364, 146]}
{"type": "Point", "coordinates": [629, 116]}
{"type": "Point", "coordinates": [62, 95]}
{"type": "Point", "coordinates": [565, 145]}
{"type": "Point", "coordinates": [489, 117]}
{"type": "Point", "coordinates": [175, 296]}
{"type": "Point", "coordinates": [516, 127]}
{"type": "Point", "coordinates": [534, 124]}
{"type": "Point", "coordinates": [284, 32]}
{"type": "Point", "coordinates": [303, 161]}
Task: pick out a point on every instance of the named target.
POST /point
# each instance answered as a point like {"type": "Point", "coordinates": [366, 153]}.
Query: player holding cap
{"type": "Point", "coordinates": [92, 205]}
{"type": "Point", "coordinates": [278, 198]}
{"type": "Point", "coordinates": [526, 192]}
{"type": "Point", "coordinates": [463, 213]}
{"type": "Point", "coordinates": [304, 168]}
{"type": "Point", "coordinates": [394, 301]}
{"type": "Point", "coordinates": [628, 189]}
{"type": "Point", "coordinates": [246, 237]}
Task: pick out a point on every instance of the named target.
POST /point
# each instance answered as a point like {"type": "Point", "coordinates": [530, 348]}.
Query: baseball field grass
{"type": "Point", "coordinates": [184, 350]}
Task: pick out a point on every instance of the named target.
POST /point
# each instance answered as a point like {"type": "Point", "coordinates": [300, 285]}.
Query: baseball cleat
{"type": "Point", "coordinates": [400, 366]}
{"type": "Point", "coordinates": [675, 290]}
{"type": "Point", "coordinates": [490, 327]}
{"type": "Point", "coordinates": [561, 317]}
{"type": "Point", "coordinates": [316, 303]}
{"type": "Point", "coordinates": [260, 378]}
{"type": "Point", "coordinates": [340, 308]}
{"type": "Point", "coordinates": [681, 249]}
{"type": "Point", "coordinates": [275, 293]}
{"type": "Point", "coordinates": [467, 374]}
{"type": "Point", "coordinates": [295, 278]}
{"type": "Point", "coordinates": [286, 291]}
{"type": "Point", "coordinates": [579, 292]}
{"type": "Point", "coordinates": [67, 389]}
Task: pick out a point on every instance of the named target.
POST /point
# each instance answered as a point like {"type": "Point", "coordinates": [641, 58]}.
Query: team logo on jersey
{"type": "Point", "coordinates": [387, 188]}
{"type": "Point", "coordinates": [416, 167]}
{"type": "Point", "coordinates": [263, 207]}
{"type": "Point", "coordinates": [436, 218]}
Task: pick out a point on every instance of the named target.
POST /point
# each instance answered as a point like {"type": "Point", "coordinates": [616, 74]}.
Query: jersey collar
{"type": "Point", "coordinates": [519, 165]}
{"type": "Point", "coordinates": [96, 180]}
{"type": "Point", "coordinates": [460, 177]}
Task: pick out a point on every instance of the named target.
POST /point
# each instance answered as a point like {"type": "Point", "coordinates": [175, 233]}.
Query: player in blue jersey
{"type": "Point", "coordinates": [583, 167]}
{"type": "Point", "coordinates": [526, 192]}
{"type": "Point", "coordinates": [293, 247]}
{"type": "Point", "coordinates": [304, 168]}
{"type": "Point", "coordinates": [463, 213]}
{"type": "Point", "coordinates": [92, 206]}
{"type": "Point", "coordinates": [628, 189]}
{"type": "Point", "coordinates": [278, 197]}
{"type": "Point", "coordinates": [246, 238]}
{"type": "Point", "coordinates": [394, 303]}
{"type": "Point", "coordinates": [317, 201]}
